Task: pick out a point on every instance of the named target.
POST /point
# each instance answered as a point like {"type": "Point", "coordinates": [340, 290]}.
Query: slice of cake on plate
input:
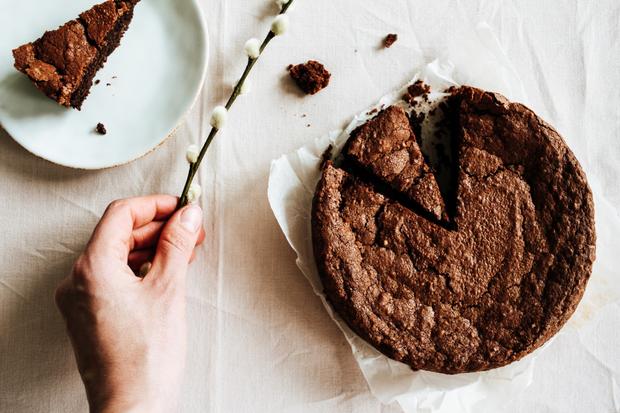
{"type": "Point", "coordinates": [63, 62]}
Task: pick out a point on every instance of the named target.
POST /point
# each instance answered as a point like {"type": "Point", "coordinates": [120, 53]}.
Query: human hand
{"type": "Point", "coordinates": [129, 333]}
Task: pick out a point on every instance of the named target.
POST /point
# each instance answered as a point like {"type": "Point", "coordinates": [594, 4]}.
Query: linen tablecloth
{"type": "Point", "coordinates": [259, 339]}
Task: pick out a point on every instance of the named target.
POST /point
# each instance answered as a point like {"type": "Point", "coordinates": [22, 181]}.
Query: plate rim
{"type": "Point", "coordinates": [181, 119]}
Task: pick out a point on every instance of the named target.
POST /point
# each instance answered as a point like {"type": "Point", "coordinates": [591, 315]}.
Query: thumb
{"type": "Point", "coordinates": [177, 242]}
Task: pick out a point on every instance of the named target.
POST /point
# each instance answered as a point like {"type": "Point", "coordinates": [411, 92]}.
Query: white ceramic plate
{"type": "Point", "coordinates": [155, 76]}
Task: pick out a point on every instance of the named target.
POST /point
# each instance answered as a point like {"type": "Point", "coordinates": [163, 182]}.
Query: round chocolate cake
{"type": "Point", "coordinates": [482, 290]}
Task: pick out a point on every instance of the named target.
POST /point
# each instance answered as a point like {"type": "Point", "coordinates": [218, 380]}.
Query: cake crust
{"type": "Point", "coordinates": [487, 292]}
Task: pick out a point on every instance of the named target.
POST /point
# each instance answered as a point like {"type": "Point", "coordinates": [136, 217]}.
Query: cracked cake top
{"type": "Point", "coordinates": [486, 292]}
{"type": "Point", "coordinates": [386, 146]}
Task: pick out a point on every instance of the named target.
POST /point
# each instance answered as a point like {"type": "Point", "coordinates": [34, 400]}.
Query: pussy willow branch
{"type": "Point", "coordinates": [193, 168]}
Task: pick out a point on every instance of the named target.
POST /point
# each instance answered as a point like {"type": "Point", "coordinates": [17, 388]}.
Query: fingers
{"type": "Point", "coordinates": [201, 236]}
{"type": "Point", "coordinates": [147, 235]}
{"type": "Point", "coordinates": [145, 239]}
{"type": "Point", "coordinates": [113, 234]}
{"type": "Point", "coordinates": [176, 244]}
{"type": "Point", "coordinates": [138, 258]}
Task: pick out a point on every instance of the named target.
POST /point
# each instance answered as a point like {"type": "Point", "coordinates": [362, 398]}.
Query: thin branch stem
{"type": "Point", "coordinates": [193, 168]}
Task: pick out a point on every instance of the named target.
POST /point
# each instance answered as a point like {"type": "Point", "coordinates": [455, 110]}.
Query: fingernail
{"type": "Point", "coordinates": [191, 218]}
{"type": "Point", "coordinates": [144, 269]}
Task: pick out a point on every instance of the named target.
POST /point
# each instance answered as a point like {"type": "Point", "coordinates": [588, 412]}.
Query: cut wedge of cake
{"type": "Point", "coordinates": [386, 147]}
{"type": "Point", "coordinates": [63, 62]}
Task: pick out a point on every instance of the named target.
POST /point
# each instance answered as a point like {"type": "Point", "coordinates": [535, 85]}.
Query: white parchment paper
{"type": "Point", "coordinates": [478, 61]}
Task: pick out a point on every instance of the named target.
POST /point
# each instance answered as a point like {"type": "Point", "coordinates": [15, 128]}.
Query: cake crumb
{"type": "Point", "coordinates": [100, 129]}
{"type": "Point", "coordinates": [311, 77]}
{"type": "Point", "coordinates": [389, 40]}
{"type": "Point", "coordinates": [108, 84]}
{"type": "Point", "coordinates": [419, 88]}
{"type": "Point", "coordinates": [97, 81]}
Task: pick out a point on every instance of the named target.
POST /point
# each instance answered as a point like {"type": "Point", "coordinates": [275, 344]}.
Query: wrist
{"type": "Point", "coordinates": [128, 406]}
{"type": "Point", "coordinates": [124, 395]}
{"type": "Point", "coordinates": [127, 400]}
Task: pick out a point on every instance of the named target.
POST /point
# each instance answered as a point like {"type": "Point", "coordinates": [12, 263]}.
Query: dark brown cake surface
{"type": "Point", "coordinates": [63, 62]}
{"type": "Point", "coordinates": [387, 147]}
{"type": "Point", "coordinates": [100, 20]}
{"type": "Point", "coordinates": [311, 77]}
{"type": "Point", "coordinates": [57, 61]}
{"type": "Point", "coordinates": [486, 293]}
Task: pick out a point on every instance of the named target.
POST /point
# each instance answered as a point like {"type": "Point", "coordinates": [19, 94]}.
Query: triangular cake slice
{"type": "Point", "coordinates": [386, 147]}
{"type": "Point", "coordinates": [63, 62]}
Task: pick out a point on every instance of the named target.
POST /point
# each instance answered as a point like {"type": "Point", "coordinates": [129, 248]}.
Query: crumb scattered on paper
{"type": "Point", "coordinates": [311, 77]}
{"type": "Point", "coordinates": [418, 89]}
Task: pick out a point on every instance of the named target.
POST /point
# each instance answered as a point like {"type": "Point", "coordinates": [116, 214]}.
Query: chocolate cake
{"type": "Point", "coordinates": [387, 148]}
{"type": "Point", "coordinates": [491, 289]}
{"type": "Point", "coordinates": [63, 62]}
{"type": "Point", "coordinates": [311, 77]}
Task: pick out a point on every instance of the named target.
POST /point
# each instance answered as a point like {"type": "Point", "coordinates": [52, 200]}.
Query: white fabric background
{"type": "Point", "coordinates": [260, 340]}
